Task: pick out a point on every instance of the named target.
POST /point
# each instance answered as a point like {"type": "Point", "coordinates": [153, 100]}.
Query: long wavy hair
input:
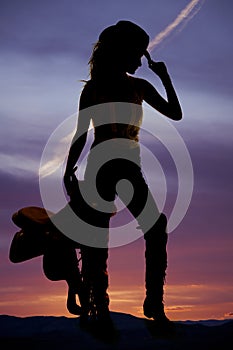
{"type": "Point", "coordinates": [99, 63]}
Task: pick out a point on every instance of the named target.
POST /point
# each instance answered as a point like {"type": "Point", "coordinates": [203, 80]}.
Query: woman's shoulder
{"type": "Point", "coordinates": [138, 82]}
{"type": "Point", "coordinates": [140, 85]}
{"type": "Point", "coordinates": [88, 85]}
{"type": "Point", "coordinates": [87, 97]}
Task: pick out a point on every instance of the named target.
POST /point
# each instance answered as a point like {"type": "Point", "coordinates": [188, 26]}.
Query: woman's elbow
{"type": "Point", "coordinates": [175, 116]}
{"type": "Point", "coordinates": [177, 113]}
{"type": "Point", "coordinates": [178, 116]}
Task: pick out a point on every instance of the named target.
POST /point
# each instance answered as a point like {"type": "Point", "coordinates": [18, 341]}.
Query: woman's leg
{"type": "Point", "coordinates": [153, 225]}
{"type": "Point", "coordinates": [95, 280]}
{"type": "Point", "coordinates": [156, 265]}
{"type": "Point", "coordinates": [151, 221]}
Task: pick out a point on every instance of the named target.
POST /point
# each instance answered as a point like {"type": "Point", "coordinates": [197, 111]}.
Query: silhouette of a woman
{"type": "Point", "coordinates": [117, 54]}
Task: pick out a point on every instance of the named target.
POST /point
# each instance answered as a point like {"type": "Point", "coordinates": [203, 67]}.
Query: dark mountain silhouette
{"type": "Point", "coordinates": [49, 332]}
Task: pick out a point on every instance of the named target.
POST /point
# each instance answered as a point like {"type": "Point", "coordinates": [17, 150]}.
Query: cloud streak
{"type": "Point", "coordinates": [178, 24]}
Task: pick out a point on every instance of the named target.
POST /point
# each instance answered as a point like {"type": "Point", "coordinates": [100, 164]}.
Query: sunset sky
{"type": "Point", "coordinates": [45, 48]}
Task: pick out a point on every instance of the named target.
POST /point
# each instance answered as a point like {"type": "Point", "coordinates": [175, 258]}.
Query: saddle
{"type": "Point", "coordinates": [35, 231]}
{"type": "Point", "coordinates": [32, 216]}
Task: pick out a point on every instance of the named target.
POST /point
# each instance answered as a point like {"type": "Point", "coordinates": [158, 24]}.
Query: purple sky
{"type": "Point", "coordinates": [45, 47]}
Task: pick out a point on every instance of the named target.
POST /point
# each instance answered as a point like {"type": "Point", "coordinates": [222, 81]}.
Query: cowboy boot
{"type": "Point", "coordinates": [156, 264]}
{"type": "Point", "coordinates": [100, 283]}
{"type": "Point", "coordinates": [94, 298]}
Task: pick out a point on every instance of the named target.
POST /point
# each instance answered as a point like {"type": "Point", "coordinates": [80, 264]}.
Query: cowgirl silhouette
{"type": "Point", "coordinates": [115, 58]}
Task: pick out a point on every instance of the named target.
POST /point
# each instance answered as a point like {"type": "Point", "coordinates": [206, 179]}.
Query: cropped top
{"type": "Point", "coordinates": [116, 109]}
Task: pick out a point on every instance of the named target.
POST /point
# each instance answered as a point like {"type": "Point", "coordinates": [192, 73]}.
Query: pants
{"type": "Point", "coordinates": [142, 206]}
{"type": "Point", "coordinates": [103, 184]}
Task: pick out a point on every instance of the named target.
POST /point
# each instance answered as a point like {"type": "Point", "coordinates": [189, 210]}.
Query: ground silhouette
{"type": "Point", "coordinates": [49, 332]}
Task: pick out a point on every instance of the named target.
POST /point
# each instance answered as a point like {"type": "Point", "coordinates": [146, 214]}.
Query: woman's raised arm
{"type": "Point", "coordinates": [171, 107]}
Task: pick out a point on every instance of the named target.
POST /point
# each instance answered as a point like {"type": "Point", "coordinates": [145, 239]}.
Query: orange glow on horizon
{"type": "Point", "coordinates": [182, 302]}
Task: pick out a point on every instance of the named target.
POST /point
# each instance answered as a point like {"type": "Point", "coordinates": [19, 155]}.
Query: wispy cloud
{"type": "Point", "coordinates": [178, 24]}
{"type": "Point", "coordinates": [19, 165]}
{"type": "Point", "coordinates": [50, 166]}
